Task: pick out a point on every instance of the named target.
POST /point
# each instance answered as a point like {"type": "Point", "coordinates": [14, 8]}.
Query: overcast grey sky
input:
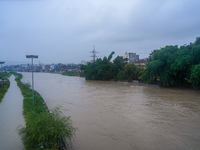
{"type": "Point", "coordinates": [64, 31]}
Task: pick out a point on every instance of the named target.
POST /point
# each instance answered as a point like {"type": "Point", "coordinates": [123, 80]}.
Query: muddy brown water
{"type": "Point", "coordinates": [124, 116]}
{"type": "Point", "coordinates": [11, 117]}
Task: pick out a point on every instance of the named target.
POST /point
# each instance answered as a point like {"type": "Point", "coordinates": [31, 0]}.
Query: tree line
{"type": "Point", "coordinates": [168, 66]}
{"type": "Point", "coordinates": [174, 66]}
{"type": "Point", "coordinates": [104, 69]}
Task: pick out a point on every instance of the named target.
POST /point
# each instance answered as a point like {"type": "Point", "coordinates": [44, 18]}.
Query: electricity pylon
{"type": "Point", "coordinates": [94, 52]}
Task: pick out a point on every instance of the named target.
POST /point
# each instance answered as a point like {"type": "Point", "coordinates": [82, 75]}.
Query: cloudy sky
{"type": "Point", "coordinates": [64, 31]}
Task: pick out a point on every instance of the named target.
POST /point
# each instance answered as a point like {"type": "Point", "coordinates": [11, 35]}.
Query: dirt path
{"type": "Point", "coordinates": [10, 117]}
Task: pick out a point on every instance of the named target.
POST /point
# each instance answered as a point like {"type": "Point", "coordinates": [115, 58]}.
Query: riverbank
{"type": "Point", "coordinates": [70, 73]}
{"type": "Point", "coordinates": [43, 124]}
{"type": "Point", "coordinates": [122, 115]}
{"type": "Point", "coordinates": [4, 85]}
{"type": "Point", "coordinates": [10, 117]}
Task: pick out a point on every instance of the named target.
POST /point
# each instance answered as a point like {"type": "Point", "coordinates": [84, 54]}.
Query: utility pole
{"type": "Point", "coordinates": [94, 53]}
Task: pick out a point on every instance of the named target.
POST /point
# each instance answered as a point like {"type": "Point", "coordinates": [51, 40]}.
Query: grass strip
{"type": "Point", "coordinates": [44, 129]}
{"type": "Point", "coordinates": [5, 86]}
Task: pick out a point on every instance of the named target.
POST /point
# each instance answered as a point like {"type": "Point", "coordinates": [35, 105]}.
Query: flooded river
{"type": "Point", "coordinates": [124, 116]}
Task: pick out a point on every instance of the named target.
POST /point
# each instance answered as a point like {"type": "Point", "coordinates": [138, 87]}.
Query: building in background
{"type": "Point", "coordinates": [83, 62]}
{"type": "Point", "coordinates": [132, 57]}
{"type": "Point", "coordinates": [142, 63]}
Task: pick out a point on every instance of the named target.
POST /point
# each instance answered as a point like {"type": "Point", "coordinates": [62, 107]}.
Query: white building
{"type": "Point", "coordinates": [52, 66]}
{"type": "Point", "coordinates": [83, 62]}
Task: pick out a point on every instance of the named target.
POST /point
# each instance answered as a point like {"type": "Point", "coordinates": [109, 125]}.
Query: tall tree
{"type": "Point", "coordinates": [195, 76]}
{"type": "Point", "coordinates": [172, 65]}
{"type": "Point", "coordinates": [104, 69]}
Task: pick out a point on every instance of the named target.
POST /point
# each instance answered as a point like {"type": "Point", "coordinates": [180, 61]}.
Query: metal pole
{"type": "Point", "coordinates": [2, 72]}
{"type": "Point", "coordinates": [32, 83]}
{"type": "Point", "coordinates": [32, 56]}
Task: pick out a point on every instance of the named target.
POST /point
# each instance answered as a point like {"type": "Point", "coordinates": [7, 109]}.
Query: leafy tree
{"type": "Point", "coordinates": [171, 65]}
{"type": "Point", "coordinates": [130, 72]}
{"type": "Point", "coordinates": [104, 69]}
{"type": "Point", "coordinates": [83, 67]}
{"type": "Point", "coordinates": [118, 65]}
{"type": "Point", "coordinates": [110, 56]}
{"type": "Point", "coordinates": [197, 42]}
{"type": "Point", "coordinates": [195, 76]}
{"type": "Point", "coordinates": [100, 69]}
{"type": "Point", "coordinates": [159, 66]}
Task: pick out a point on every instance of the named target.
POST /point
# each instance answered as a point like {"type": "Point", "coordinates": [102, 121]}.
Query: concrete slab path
{"type": "Point", "coordinates": [10, 117]}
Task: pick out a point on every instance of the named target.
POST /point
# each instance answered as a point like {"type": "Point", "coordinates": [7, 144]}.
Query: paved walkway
{"type": "Point", "coordinates": [10, 117]}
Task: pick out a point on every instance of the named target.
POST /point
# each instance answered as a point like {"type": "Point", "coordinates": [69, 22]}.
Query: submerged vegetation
{"type": "Point", "coordinates": [174, 66]}
{"type": "Point", "coordinates": [43, 129]}
{"type": "Point", "coordinates": [104, 69]}
{"type": "Point", "coordinates": [5, 84]}
{"type": "Point", "coordinates": [70, 73]}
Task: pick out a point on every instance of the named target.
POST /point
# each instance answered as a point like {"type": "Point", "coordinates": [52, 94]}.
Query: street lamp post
{"type": "Point", "coordinates": [32, 56]}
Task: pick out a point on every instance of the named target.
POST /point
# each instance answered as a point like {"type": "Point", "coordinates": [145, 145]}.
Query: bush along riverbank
{"type": "Point", "coordinates": [4, 85]}
{"type": "Point", "coordinates": [44, 129]}
{"type": "Point", "coordinates": [70, 73]}
{"type": "Point", "coordinates": [105, 69]}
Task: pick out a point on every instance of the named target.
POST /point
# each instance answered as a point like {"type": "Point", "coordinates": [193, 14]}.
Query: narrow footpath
{"type": "Point", "coordinates": [10, 117]}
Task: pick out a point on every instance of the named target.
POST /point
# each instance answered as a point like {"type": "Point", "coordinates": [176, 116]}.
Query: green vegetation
{"type": "Point", "coordinates": [168, 66]}
{"type": "Point", "coordinates": [5, 86]}
{"type": "Point", "coordinates": [130, 72]}
{"type": "Point", "coordinates": [43, 129]}
{"type": "Point", "coordinates": [70, 73]}
{"type": "Point", "coordinates": [104, 69]}
{"type": "Point", "coordinates": [195, 76]}
{"type": "Point", "coordinates": [174, 66]}
{"type": "Point", "coordinates": [82, 74]}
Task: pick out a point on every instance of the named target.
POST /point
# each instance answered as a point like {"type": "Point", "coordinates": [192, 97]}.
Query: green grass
{"type": "Point", "coordinates": [6, 85]}
{"type": "Point", "coordinates": [72, 73]}
{"type": "Point", "coordinates": [27, 94]}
